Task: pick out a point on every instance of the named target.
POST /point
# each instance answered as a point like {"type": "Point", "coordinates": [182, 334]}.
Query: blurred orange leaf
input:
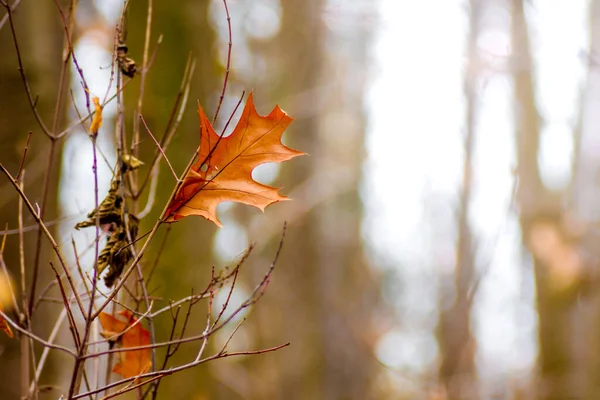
{"type": "Point", "coordinates": [223, 171]}
{"type": "Point", "coordinates": [4, 325]}
{"type": "Point", "coordinates": [5, 297]}
{"type": "Point", "coordinates": [134, 362]}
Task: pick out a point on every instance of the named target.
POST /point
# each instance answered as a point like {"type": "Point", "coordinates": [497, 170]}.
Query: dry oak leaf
{"type": "Point", "coordinates": [223, 171]}
{"type": "Point", "coordinates": [134, 362]}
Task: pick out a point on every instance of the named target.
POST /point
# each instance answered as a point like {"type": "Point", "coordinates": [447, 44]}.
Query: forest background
{"type": "Point", "coordinates": [442, 238]}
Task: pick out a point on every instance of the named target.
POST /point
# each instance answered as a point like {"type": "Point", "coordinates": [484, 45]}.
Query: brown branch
{"type": "Point", "coordinates": [171, 371]}
{"type": "Point", "coordinates": [24, 155]}
{"type": "Point", "coordinates": [30, 99]}
{"type": "Point", "coordinates": [158, 146]}
{"type": "Point", "coordinates": [228, 63]}
{"type": "Point", "coordinates": [174, 119]}
{"type": "Point", "coordinates": [34, 337]}
{"type": "Point", "coordinates": [13, 8]}
{"type": "Point", "coordinates": [36, 216]}
{"type": "Point", "coordinates": [67, 307]}
{"type": "Point", "coordinates": [258, 292]}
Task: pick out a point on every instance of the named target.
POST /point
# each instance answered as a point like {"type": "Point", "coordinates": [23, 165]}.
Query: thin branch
{"type": "Point", "coordinates": [67, 307]}
{"type": "Point", "coordinates": [34, 337]}
{"type": "Point", "coordinates": [13, 8]}
{"type": "Point", "coordinates": [33, 228]}
{"type": "Point", "coordinates": [256, 295]}
{"type": "Point", "coordinates": [136, 123]}
{"type": "Point", "coordinates": [174, 119]}
{"type": "Point", "coordinates": [24, 156]}
{"type": "Point", "coordinates": [30, 99]}
{"type": "Point", "coordinates": [158, 146]}
{"type": "Point", "coordinates": [24, 299]}
{"type": "Point", "coordinates": [228, 63]}
{"type": "Point", "coordinates": [66, 26]}
{"type": "Point", "coordinates": [151, 195]}
{"type": "Point", "coordinates": [40, 216]}
{"type": "Point", "coordinates": [171, 371]}
{"type": "Point", "coordinates": [44, 357]}
{"type": "Point", "coordinates": [80, 362]}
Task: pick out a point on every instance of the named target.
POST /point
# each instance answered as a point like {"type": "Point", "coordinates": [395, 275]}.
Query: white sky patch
{"type": "Point", "coordinates": [416, 120]}
{"type": "Point", "coordinates": [230, 239]}
{"type": "Point", "coordinates": [560, 67]}
{"type": "Point", "coordinates": [416, 114]}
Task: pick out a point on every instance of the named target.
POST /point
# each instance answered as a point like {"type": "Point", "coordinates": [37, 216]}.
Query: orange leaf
{"type": "Point", "coordinates": [134, 362]}
{"type": "Point", "coordinates": [4, 325]}
{"type": "Point", "coordinates": [5, 297]}
{"type": "Point", "coordinates": [223, 171]}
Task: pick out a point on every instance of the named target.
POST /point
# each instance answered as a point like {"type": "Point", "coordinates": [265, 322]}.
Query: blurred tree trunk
{"type": "Point", "coordinates": [553, 235]}
{"type": "Point", "coordinates": [186, 260]}
{"type": "Point", "coordinates": [324, 297]}
{"type": "Point", "coordinates": [40, 37]}
{"type": "Point", "coordinates": [584, 194]}
{"type": "Point", "coordinates": [457, 347]}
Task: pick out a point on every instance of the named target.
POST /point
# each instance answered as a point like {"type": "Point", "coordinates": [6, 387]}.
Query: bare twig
{"type": "Point", "coordinates": [46, 351]}
{"type": "Point", "coordinates": [228, 63]}
{"type": "Point", "coordinates": [13, 8]}
{"type": "Point", "coordinates": [79, 362]}
{"type": "Point", "coordinates": [24, 299]}
{"type": "Point", "coordinates": [258, 292]}
{"type": "Point", "coordinates": [158, 146]}
{"type": "Point", "coordinates": [34, 337]}
{"type": "Point", "coordinates": [171, 371]}
{"type": "Point", "coordinates": [67, 307]}
{"type": "Point", "coordinates": [24, 156]}
{"type": "Point", "coordinates": [174, 119]}
{"type": "Point", "coordinates": [30, 98]}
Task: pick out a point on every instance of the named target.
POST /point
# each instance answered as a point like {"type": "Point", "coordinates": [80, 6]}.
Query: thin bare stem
{"type": "Point", "coordinates": [32, 228]}
{"type": "Point", "coordinates": [159, 148]}
{"type": "Point", "coordinates": [228, 63]}
{"type": "Point", "coordinates": [79, 362]}
{"type": "Point", "coordinates": [151, 195]}
{"type": "Point", "coordinates": [30, 98]}
{"type": "Point", "coordinates": [34, 337]}
{"type": "Point", "coordinates": [67, 307]}
{"type": "Point", "coordinates": [258, 292]}
{"type": "Point", "coordinates": [191, 298]}
{"type": "Point", "coordinates": [158, 254]}
{"type": "Point", "coordinates": [174, 119]}
{"type": "Point", "coordinates": [171, 371]}
{"type": "Point", "coordinates": [38, 244]}
{"type": "Point", "coordinates": [46, 351]}
{"type": "Point", "coordinates": [67, 26]}
{"type": "Point", "coordinates": [13, 8]}
{"type": "Point", "coordinates": [136, 123]}
{"type": "Point", "coordinates": [24, 156]}
{"type": "Point", "coordinates": [22, 253]}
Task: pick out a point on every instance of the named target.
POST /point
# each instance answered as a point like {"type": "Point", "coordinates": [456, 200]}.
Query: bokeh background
{"type": "Point", "coordinates": [443, 236]}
